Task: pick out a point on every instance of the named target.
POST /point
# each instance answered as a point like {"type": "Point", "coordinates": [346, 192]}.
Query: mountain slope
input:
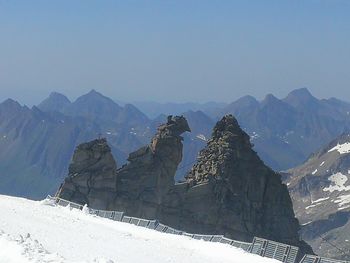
{"type": "Point", "coordinates": [57, 234]}
{"type": "Point", "coordinates": [55, 102]}
{"type": "Point", "coordinates": [320, 190]}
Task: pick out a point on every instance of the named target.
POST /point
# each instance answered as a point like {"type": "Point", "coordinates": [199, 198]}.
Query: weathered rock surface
{"type": "Point", "coordinates": [320, 191]}
{"type": "Point", "coordinates": [228, 191]}
{"type": "Point", "coordinates": [92, 174]}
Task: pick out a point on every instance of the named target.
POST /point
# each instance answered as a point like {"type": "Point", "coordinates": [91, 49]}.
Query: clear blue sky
{"type": "Point", "coordinates": [174, 50]}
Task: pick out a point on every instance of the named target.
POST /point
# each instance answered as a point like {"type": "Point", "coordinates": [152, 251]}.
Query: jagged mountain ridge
{"type": "Point", "coordinates": [286, 131]}
{"type": "Point", "coordinates": [320, 190]}
{"type": "Point", "coordinates": [228, 191]}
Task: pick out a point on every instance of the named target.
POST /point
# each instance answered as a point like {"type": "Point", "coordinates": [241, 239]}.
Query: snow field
{"type": "Point", "coordinates": [58, 234]}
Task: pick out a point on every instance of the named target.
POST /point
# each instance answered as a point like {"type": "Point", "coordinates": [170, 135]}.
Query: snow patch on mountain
{"type": "Point", "coordinates": [254, 136]}
{"type": "Point", "coordinates": [338, 183]}
{"type": "Point", "coordinates": [341, 148]}
{"type": "Point", "coordinates": [343, 200]}
{"type": "Point", "coordinates": [321, 200]}
{"type": "Point", "coordinates": [201, 137]}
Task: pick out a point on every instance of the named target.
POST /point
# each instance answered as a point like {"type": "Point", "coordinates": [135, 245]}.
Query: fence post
{"type": "Point", "coordinates": [286, 254]}
{"type": "Point", "coordinates": [263, 248]}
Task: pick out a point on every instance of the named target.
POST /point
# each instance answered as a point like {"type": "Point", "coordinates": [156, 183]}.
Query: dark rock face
{"type": "Point", "coordinates": [146, 180]}
{"type": "Point", "coordinates": [136, 188]}
{"type": "Point", "coordinates": [91, 174]}
{"type": "Point", "coordinates": [228, 191]}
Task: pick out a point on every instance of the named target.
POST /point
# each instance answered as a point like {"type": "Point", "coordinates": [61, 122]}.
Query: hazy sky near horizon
{"type": "Point", "coordinates": [177, 51]}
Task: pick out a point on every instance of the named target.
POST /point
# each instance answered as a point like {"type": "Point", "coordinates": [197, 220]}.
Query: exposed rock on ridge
{"type": "Point", "coordinates": [320, 191]}
{"type": "Point", "coordinates": [228, 191]}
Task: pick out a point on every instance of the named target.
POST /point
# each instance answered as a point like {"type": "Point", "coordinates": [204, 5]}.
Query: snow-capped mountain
{"type": "Point", "coordinates": [320, 190]}
{"type": "Point", "coordinates": [37, 232]}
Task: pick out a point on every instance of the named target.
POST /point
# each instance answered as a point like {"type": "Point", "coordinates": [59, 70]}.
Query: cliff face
{"type": "Point", "coordinates": [147, 178]}
{"type": "Point", "coordinates": [228, 191]}
{"type": "Point", "coordinates": [92, 175]}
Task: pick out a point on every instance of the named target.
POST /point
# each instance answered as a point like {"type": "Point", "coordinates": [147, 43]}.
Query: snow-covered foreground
{"type": "Point", "coordinates": [34, 232]}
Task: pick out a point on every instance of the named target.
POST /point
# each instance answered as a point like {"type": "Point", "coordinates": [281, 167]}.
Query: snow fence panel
{"type": "Point", "coordinates": [143, 222]}
{"type": "Point", "coordinates": [174, 231]}
{"type": "Point", "coordinates": [161, 228]}
{"type": "Point", "coordinates": [216, 238]}
{"type": "Point", "coordinates": [243, 245]}
{"type": "Point", "coordinates": [203, 237]}
{"type": "Point", "coordinates": [102, 213]}
{"type": "Point", "coordinates": [126, 219]}
{"type": "Point", "coordinates": [110, 214]}
{"type": "Point", "coordinates": [188, 235]}
{"type": "Point", "coordinates": [93, 211]}
{"type": "Point", "coordinates": [226, 240]}
{"type": "Point", "coordinates": [270, 249]}
{"type": "Point", "coordinates": [118, 216]}
{"type": "Point", "coordinates": [62, 202]}
{"type": "Point", "coordinates": [316, 259]}
{"type": "Point", "coordinates": [292, 255]}
{"type": "Point", "coordinates": [152, 224]}
{"type": "Point", "coordinates": [257, 246]}
{"type": "Point", "coordinates": [75, 206]}
{"type": "Point", "coordinates": [308, 259]}
{"type": "Point", "coordinates": [135, 221]}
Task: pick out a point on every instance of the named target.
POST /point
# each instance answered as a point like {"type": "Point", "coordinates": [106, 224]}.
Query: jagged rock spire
{"type": "Point", "coordinates": [229, 143]}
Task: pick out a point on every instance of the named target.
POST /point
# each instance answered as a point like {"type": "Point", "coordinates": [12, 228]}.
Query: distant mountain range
{"type": "Point", "coordinates": [36, 143]}
{"type": "Point", "coordinates": [320, 190]}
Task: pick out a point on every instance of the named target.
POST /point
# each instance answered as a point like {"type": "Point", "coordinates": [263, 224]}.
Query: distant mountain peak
{"type": "Point", "coordinates": [300, 97]}
{"type": "Point", "coordinates": [56, 95]}
{"type": "Point", "coordinates": [246, 100]}
{"type": "Point", "coordinates": [94, 92]}
{"type": "Point", "coordinates": [94, 95]}
{"type": "Point", "coordinates": [270, 99]}
{"type": "Point", "coordinates": [12, 103]}
{"type": "Point", "coordinates": [302, 92]}
{"type": "Point", "coordinates": [55, 102]}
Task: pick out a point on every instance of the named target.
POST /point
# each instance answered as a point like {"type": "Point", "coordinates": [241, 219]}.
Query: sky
{"type": "Point", "coordinates": [174, 51]}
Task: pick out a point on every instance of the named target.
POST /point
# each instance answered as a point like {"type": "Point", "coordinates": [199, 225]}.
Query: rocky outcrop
{"type": "Point", "coordinates": [147, 178]}
{"type": "Point", "coordinates": [92, 175]}
{"type": "Point", "coordinates": [228, 191]}
{"type": "Point", "coordinates": [136, 188]}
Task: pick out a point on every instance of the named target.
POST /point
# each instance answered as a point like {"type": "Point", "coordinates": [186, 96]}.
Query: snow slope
{"type": "Point", "coordinates": [36, 232]}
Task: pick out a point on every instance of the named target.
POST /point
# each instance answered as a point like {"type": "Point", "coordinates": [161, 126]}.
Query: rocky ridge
{"type": "Point", "coordinates": [228, 191]}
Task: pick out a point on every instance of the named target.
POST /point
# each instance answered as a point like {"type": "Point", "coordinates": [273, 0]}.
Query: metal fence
{"type": "Point", "coordinates": [275, 250]}
{"type": "Point", "coordinates": [259, 246]}
{"type": "Point", "coordinates": [316, 259]}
